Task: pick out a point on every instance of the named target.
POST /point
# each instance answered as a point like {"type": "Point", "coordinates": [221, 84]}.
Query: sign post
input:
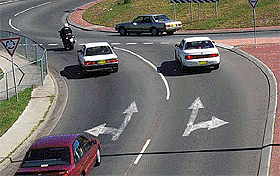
{"type": "Point", "coordinates": [253, 3]}
{"type": "Point", "coordinates": [10, 45]}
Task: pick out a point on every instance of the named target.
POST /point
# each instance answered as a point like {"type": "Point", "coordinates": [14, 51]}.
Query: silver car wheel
{"type": "Point", "coordinates": [154, 31]}
{"type": "Point", "coordinates": [122, 31]}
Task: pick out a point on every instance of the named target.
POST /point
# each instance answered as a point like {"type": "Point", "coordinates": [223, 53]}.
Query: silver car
{"type": "Point", "coordinates": [154, 24]}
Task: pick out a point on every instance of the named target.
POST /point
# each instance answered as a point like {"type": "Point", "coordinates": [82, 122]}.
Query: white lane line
{"type": "Point", "coordinates": [52, 44]}
{"type": "Point", "coordinates": [131, 43]}
{"type": "Point", "coordinates": [165, 43]}
{"type": "Point", "coordinates": [148, 43]}
{"type": "Point", "coordinates": [5, 2]}
{"type": "Point", "coordinates": [10, 23]}
{"type": "Point", "coordinates": [154, 67]}
{"type": "Point", "coordinates": [10, 20]}
{"type": "Point", "coordinates": [142, 151]}
{"type": "Point", "coordinates": [115, 43]}
{"type": "Point", "coordinates": [32, 8]}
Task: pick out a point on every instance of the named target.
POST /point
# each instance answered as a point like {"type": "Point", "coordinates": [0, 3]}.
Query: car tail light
{"type": "Point", "coordinates": [112, 60]}
{"type": "Point", "coordinates": [215, 55]}
{"type": "Point", "coordinates": [63, 173]}
{"type": "Point", "coordinates": [188, 57]}
{"type": "Point", "coordinates": [90, 63]}
{"type": "Point", "coordinates": [167, 25]}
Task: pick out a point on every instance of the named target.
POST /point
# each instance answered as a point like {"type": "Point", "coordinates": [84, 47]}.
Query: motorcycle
{"type": "Point", "coordinates": [68, 41]}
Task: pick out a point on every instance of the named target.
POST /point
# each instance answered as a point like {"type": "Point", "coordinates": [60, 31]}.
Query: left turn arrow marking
{"type": "Point", "coordinates": [102, 129]}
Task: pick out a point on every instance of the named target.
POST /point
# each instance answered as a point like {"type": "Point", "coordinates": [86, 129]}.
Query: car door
{"type": "Point", "coordinates": [181, 53]}
{"type": "Point", "coordinates": [81, 54]}
{"type": "Point", "coordinates": [145, 24]}
{"type": "Point", "coordinates": [135, 26]}
{"type": "Point", "coordinates": [77, 155]}
{"type": "Point", "coordinates": [89, 153]}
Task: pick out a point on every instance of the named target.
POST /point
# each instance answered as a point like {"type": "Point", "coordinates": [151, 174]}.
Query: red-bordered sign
{"type": "Point", "coordinates": [253, 3]}
{"type": "Point", "coordinates": [10, 44]}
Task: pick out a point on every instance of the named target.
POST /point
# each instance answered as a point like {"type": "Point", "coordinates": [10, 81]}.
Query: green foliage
{"type": "Point", "coordinates": [231, 14]}
{"type": "Point", "coordinates": [1, 74]}
{"type": "Point", "coordinates": [11, 109]}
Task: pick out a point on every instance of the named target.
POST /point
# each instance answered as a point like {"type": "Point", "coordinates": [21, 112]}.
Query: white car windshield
{"type": "Point", "coordinates": [98, 50]}
{"type": "Point", "coordinates": [199, 45]}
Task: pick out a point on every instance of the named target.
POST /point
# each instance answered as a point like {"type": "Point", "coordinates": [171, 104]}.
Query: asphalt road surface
{"type": "Point", "coordinates": [152, 101]}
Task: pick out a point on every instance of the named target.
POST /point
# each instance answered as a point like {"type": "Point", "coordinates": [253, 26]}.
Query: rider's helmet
{"type": "Point", "coordinates": [66, 25]}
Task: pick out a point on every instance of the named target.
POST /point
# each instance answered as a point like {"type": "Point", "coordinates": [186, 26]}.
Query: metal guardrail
{"type": "Point", "coordinates": [30, 65]}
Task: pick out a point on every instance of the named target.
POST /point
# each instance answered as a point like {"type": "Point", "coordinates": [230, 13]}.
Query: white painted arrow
{"type": "Point", "coordinates": [214, 123]}
{"type": "Point", "coordinates": [195, 107]}
{"type": "Point", "coordinates": [102, 129]}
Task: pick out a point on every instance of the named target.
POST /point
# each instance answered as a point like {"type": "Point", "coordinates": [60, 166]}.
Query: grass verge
{"type": "Point", "coordinates": [231, 14]}
{"type": "Point", "coordinates": [11, 109]}
{"type": "Point", "coordinates": [1, 74]}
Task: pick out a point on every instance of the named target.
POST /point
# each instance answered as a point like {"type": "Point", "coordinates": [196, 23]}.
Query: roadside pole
{"type": "Point", "coordinates": [254, 15]}
{"type": "Point", "coordinates": [253, 4]}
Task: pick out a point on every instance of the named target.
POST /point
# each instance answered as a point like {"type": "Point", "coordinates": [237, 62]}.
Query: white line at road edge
{"type": "Point", "coordinates": [10, 23]}
{"type": "Point", "coordinates": [10, 20]}
{"type": "Point", "coordinates": [142, 151]}
{"type": "Point", "coordinates": [32, 8]}
{"type": "Point", "coordinates": [154, 67]}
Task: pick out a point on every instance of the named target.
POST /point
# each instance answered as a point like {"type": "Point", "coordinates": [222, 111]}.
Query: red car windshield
{"type": "Point", "coordinates": [45, 157]}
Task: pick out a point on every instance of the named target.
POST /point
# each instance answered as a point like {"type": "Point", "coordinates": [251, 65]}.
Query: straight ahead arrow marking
{"type": "Point", "coordinates": [214, 123]}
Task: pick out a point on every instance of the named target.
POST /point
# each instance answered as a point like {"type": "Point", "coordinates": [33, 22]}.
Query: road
{"type": "Point", "coordinates": [236, 93]}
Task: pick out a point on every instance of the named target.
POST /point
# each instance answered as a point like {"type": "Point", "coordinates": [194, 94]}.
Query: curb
{"type": "Point", "coordinates": [266, 151]}
{"type": "Point", "coordinates": [35, 130]}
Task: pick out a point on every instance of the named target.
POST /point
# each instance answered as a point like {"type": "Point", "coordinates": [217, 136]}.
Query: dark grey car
{"type": "Point", "coordinates": [154, 24]}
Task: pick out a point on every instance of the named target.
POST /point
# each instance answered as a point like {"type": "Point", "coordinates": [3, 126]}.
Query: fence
{"type": "Point", "coordinates": [30, 65]}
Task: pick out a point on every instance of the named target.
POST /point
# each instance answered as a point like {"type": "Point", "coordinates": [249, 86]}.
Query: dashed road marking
{"type": "Point", "coordinates": [148, 43]}
{"type": "Point", "coordinates": [131, 43]}
{"type": "Point", "coordinates": [165, 43]}
{"type": "Point", "coordinates": [142, 151]}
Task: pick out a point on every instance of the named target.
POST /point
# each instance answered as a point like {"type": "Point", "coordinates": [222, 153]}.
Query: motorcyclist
{"type": "Point", "coordinates": [65, 30]}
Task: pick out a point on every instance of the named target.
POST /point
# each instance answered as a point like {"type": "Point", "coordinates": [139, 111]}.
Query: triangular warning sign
{"type": "Point", "coordinates": [253, 3]}
{"type": "Point", "coordinates": [10, 44]}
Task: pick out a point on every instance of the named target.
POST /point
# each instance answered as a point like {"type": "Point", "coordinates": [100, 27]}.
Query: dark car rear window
{"type": "Point", "coordinates": [45, 157]}
{"type": "Point", "coordinates": [161, 18]}
{"type": "Point", "coordinates": [99, 50]}
{"type": "Point", "coordinates": [199, 45]}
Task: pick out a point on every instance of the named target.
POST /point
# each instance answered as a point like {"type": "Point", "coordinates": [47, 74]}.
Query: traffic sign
{"type": "Point", "coordinates": [10, 44]}
{"type": "Point", "coordinates": [253, 3]}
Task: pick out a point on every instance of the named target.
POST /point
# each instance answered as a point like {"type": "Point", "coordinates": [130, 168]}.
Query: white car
{"type": "Point", "coordinates": [98, 56]}
{"type": "Point", "coordinates": [197, 52]}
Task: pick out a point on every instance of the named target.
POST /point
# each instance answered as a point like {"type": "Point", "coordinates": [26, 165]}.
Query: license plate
{"type": "Point", "coordinates": [174, 25]}
{"type": "Point", "coordinates": [202, 63]}
{"type": "Point", "coordinates": [102, 62]}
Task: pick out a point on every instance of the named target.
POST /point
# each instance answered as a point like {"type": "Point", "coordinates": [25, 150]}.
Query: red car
{"type": "Point", "coordinates": [61, 155]}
